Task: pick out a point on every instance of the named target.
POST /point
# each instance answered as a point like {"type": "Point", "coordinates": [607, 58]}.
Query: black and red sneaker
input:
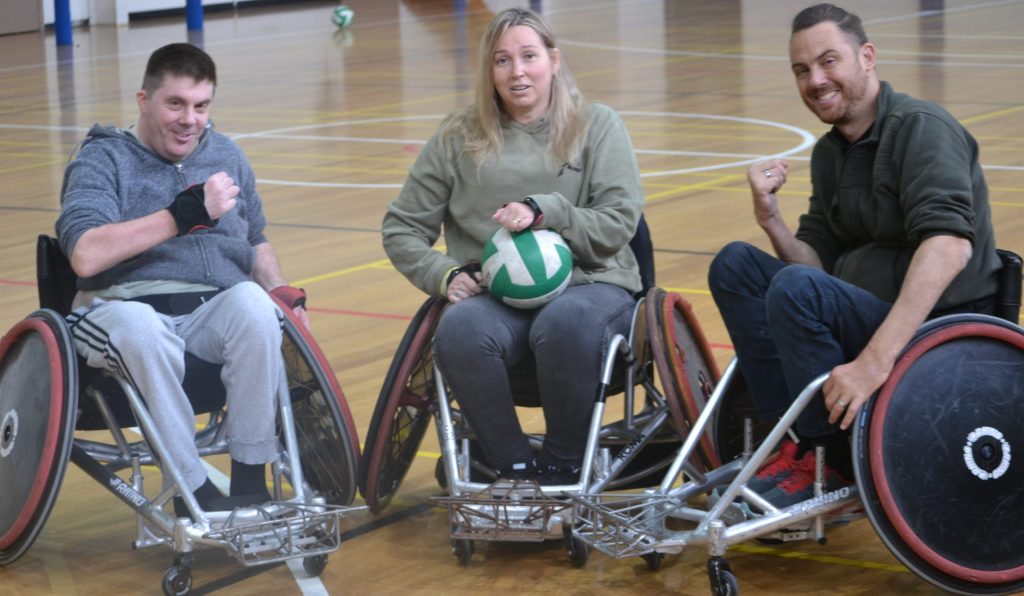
{"type": "Point", "coordinates": [776, 469]}
{"type": "Point", "coordinates": [799, 485]}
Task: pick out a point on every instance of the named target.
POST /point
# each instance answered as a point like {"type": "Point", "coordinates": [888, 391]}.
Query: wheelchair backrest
{"type": "Point", "coordinates": [1008, 295]}
{"type": "Point", "coordinates": [56, 280]}
{"type": "Point", "coordinates": [58, 284]}
{"type": "Point", "coordinates": [643, 250]}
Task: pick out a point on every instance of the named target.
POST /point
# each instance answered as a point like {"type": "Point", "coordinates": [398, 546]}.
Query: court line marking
{"type": "Point", "coordinates": [788, 554]}
{"type": "Point", "coordinates": [785, 59]}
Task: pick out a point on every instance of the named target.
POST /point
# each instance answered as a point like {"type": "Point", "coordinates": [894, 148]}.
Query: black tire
{"type": "Point", "coordinates": [177, 581]}
{"type": "Point", "coordinates": [315, 565]}
{"type": "Point", "coordinates": [463, 550]}
{"type": "Point", "coordinates": [577, 550]}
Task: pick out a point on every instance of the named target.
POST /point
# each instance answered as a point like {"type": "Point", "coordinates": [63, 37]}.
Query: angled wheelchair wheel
{"type": "Point", "coordinates": [38, 401]}
{"type": "Point", "coordinates": [326, 434]}
{"type": "Point", "coordinates": [402, 413]}
{"type": "Point", "coordinates": [684, 363]}
{"type": "Point", "coordinates": [935, 456]}
{"type": "Point", "coordinates": [728, 422]}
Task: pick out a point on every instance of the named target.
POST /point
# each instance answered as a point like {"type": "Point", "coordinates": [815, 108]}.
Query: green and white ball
{"type": "Point", "coordinates": [526, 269]}
{"type": "Point", "coordinates": [343, 16]}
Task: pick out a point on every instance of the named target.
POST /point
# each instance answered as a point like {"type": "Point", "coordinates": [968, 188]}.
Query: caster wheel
{"type": "Point", "coordinates": [577, 550]}
{"type": "Point", "coordinates": [315, 565]}
{"type": "Point", "coordinates": [653, 560]}
{"type": "Point", "coordinates": [177, 580]}
{"type": "Point", "coordinates": [440, 475]}
{"type": "Point", "coordinates": [463, 550]}
{"type": "Point", "coordinates": [723, 580]}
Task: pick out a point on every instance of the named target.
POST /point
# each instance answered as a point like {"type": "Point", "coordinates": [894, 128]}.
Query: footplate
{"type": "Point", "coordinates": [507, 511]}
{"type": "Point", "coordinates": [622, 525]}
{"type": "Point", "coordinates": [280, 532]}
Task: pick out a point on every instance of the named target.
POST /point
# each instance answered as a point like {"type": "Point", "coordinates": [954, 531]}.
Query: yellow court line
{"type": "Point", "coordinates": [788, 554]}
{"type": "Point", "coordinates": [688, 291]}
{"type": "Point", "coordinates": [995, 114]}
{"type": "Point", "coordinates": [688, 187]}
{"type": "Point", "coordinates": [374, 265]}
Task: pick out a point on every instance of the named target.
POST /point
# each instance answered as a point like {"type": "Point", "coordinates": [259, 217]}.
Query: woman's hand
{"type": "Point", "coordinates": [464, 285]}
{"type": "Point", "coordinates": [514, 217]}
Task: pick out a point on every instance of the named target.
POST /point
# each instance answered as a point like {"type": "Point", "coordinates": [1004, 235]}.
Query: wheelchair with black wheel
{"type": "Point", "coordinates": [631, 450]}
{"type": "Point", "coordinates": [48, 394]}
{"type": "Point", "coordinates": [933, 465]}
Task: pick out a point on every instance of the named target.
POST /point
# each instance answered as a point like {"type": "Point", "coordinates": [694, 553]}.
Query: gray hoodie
{"type": "Point", "coordinates": [115, 178]}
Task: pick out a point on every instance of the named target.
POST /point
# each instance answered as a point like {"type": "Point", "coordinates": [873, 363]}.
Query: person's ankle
{"type": "Point", "coordinates": [248, 479]}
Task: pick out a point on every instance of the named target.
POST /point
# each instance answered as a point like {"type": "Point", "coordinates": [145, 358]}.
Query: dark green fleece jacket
{"type": "Point", "coordinates": [914, 175]}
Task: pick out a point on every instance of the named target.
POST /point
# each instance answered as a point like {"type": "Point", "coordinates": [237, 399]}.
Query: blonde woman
{"type": "Point", "coordinates": [529, 152]}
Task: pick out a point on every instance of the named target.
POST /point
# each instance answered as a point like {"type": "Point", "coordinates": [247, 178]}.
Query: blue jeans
{"type": "Point", "coordinates": [788, 325]}
{"type": "Point", "coordinates": [479, 339]}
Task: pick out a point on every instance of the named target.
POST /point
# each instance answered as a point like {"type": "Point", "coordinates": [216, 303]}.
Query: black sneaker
{"type": "Point", "coordinates": [552, 475]}
{"type": "Point", "coordinates": [519, 471]}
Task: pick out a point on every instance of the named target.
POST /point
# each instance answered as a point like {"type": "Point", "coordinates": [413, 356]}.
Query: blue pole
{"type": "Point", "coordinates": [62, 21]}
{"type": "Point", "coordinates": [194, 14]}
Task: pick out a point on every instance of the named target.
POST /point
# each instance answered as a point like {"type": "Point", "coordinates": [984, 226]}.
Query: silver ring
{"type": "Point", "coordinates": [841, 404]}
{"type": "Point", "coordinates": [767, 173]}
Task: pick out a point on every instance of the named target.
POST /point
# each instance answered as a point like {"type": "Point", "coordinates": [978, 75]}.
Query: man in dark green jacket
{"type": "Point", "coordinates": [898, 230]}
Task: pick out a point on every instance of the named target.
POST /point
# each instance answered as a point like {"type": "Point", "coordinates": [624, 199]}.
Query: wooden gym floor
{"type": "Point", "coordinates": [331, 121]}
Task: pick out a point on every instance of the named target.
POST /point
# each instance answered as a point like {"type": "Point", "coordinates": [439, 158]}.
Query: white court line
{"type": "Point", "coordinates": [943, 11]}
{"type": "Point", "coordinates": [777, 58]}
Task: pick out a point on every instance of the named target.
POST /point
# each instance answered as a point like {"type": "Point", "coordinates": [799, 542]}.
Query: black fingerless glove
{"type": "Point", "coordinates": [471, 268]}
{"type": "Point", "coordinates": [189, 210]}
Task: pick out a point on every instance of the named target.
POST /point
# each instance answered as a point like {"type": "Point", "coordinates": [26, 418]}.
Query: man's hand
{"type": "Point", "coordinates": [850, 386]}
{"type": "Point", "coordinates": [765, 179]}
{"type": "Point", "coordinates": [220, 191]}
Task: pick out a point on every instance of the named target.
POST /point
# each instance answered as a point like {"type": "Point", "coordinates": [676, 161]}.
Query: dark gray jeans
{"type": "Point", "coordinates": [479, 339]}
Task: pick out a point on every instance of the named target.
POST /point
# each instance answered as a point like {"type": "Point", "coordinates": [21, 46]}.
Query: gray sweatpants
{"type": "Point", "coordinates": [239, 328]}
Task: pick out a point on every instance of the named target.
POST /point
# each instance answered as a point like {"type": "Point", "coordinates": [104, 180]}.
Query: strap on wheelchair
{"type": "Point", "coordinates": [176, 304]}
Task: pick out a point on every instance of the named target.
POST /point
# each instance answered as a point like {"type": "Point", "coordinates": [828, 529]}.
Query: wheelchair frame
{"type": "Point", "coordinates": [623, 525]}
{"type": "Point", "coordinates": [298, 523]}
{"type": "Point", "coordinates": [501, 510]}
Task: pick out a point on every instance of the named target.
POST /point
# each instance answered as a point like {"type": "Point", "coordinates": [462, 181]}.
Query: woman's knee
{"type": "Point", "coordinates": [581, 320]}
{"type": "Point", "coordinates": [465, 330]}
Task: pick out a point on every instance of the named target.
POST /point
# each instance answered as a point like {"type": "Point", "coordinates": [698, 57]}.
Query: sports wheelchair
{"type": "Point", "coordinates": [932, 456]}
{"type": "Point", "coordinates": [631, 451]}
{"type": "Point", "coordinates": [47, 394]}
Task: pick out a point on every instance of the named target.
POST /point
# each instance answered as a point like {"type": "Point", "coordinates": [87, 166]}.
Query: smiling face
{"type": "Point", "coordinates": [174, 115]}
{"type": "Point", "coordinates": [836, 77]}
{"type": "Point", "coordinates": [522, 68]}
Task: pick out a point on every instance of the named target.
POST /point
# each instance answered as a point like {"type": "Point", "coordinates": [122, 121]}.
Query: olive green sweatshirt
{"type": "Point", "coordinates": [594, 204]}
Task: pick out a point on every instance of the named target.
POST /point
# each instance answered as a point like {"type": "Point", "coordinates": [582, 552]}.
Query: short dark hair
{"type": "Point", "coordinates": [180, 60]}
{"type": "Point", "coordinates": [847, 22]}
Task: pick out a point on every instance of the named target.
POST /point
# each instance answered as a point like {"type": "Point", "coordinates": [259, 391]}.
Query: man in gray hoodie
{"type": "Point", "coordinates": [163, 226]}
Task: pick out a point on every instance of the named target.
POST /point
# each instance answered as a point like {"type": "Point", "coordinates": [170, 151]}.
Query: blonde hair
{"type": "Point", "coordinates": [480, 123]}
